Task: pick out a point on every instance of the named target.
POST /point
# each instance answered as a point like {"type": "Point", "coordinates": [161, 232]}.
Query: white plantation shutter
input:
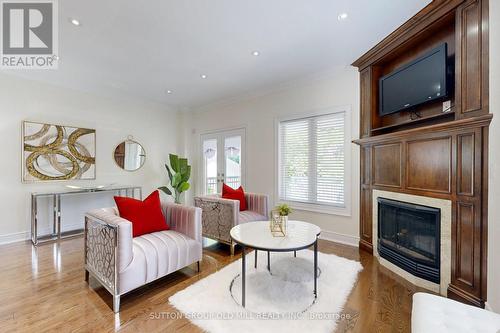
{"type": "Point", "coordinates": [311, 160]}
{"type": "Point", "coordinates": [295, 138]}
{"type": "Point", "coordinates": [330, 146]}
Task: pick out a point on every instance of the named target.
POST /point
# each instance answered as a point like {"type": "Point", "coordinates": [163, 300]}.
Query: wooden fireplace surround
{"type": "Point", "coordinates": [437, 154]}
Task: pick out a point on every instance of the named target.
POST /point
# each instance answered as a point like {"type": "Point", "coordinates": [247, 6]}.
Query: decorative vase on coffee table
{"type": "Point", "coordinates": [278, 224]}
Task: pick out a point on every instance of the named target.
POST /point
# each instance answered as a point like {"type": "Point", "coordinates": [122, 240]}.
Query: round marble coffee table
{"type": "Point", "coordinates": [257, 235]}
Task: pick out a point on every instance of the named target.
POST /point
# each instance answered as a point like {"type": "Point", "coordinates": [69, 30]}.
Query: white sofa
{"type": "Point", "coordinates": [432, 313]}
{"type": "Point", "coordinates": [122, 263]}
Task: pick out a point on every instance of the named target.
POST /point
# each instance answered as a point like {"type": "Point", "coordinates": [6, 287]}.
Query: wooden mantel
{"type": "Point", "coordinates": [448, 126]}
{"type": "Point", "coordinates": [429, 152]}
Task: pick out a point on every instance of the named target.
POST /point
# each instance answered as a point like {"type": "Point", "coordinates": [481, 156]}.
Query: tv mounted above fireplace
{"type": "Point", "coordinates": [420, 81]}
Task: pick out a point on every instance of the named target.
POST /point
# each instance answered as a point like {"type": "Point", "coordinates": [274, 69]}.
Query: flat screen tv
{"type": "Point", "coordinates": [420, 81]}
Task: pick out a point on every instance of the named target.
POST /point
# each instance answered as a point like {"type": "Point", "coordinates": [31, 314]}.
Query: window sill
{"type": "Point", "coordinates": [315, 208]}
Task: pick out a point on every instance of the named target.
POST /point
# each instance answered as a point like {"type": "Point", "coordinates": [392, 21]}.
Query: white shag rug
{"type": "Point", "coordinates": [282, 301]}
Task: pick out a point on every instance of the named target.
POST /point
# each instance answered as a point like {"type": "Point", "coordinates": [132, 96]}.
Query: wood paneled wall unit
{"type": "Point", "coordinates": [440, 154]}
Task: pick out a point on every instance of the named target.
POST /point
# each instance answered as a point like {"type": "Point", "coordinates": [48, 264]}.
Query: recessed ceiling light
{"type": "Point", "coordinates": [256, 53]}
{"type": "Point", "coordinates": [203, 76]}
{"type": "Point", "coordinates": [342, 16]}
{"type": "Point", "coordinates": [169, 91]}
{"type": "Point", "coordinates": [74, 21]}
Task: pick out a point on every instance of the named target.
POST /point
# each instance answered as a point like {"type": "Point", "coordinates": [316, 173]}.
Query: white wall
{"type": "Point", "coordinates": [258, 115]}
{"type": "Point", "coordinates": [494, 160]}
{"type": "Point", "coordinates": [153, 125]}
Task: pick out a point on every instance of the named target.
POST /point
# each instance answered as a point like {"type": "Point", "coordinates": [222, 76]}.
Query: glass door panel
{"type": "Point", "coordinates": [232, 151]}
{"type": "Point", "coordinates": [223, 159]}
{"type": "Point", "coordinates": [210, 166]}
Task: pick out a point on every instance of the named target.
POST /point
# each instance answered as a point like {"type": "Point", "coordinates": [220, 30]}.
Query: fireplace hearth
{"type": "Point", "coordinates": [409, 237]}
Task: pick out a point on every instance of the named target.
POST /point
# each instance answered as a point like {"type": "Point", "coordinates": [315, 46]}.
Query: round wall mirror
{"type": "Point", "coordinates": [130, 155]}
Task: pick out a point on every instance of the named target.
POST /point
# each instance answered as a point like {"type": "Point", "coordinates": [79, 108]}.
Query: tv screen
{"type": "Point", "coordinates": [420, 81]}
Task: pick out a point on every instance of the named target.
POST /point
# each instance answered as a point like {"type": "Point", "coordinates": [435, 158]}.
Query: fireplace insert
{"type": "Point", "coordinates": [409, 237]}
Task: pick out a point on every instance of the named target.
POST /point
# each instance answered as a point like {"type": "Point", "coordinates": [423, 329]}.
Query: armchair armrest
{"type": "Point", "coordinates": [104, 226]}
{"type": "Point", "coordinates": [258, 203]}
{"type": "Point", "coordinates": [230, 205]}
{"type": "Point", "coordinates": [218, 216]}
{"type": "Point", "coordinates": [184, 219]}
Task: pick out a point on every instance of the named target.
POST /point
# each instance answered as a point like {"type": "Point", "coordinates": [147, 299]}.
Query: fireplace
{"type": "Point", "coordinates": [409, 237]}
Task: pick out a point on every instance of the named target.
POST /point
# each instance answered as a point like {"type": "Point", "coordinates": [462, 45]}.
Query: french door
{"type": "Point", "coordinates": [223, 160]}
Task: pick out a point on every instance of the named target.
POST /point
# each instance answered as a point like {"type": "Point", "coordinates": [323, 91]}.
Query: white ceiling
{"type": "Point", "coordinates": [143, 48]}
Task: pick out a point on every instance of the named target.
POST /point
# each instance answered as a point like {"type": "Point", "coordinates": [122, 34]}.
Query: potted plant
{"type": "Point", "coordinates": [279, 220]}
{"type": "Point", "coordinates": [178, 174]}
{"type": "Point", "coordinates": [284, 210]}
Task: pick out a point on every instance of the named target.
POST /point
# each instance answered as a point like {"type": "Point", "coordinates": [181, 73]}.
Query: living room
{"type": "Point", "coordinates": [252, 166]}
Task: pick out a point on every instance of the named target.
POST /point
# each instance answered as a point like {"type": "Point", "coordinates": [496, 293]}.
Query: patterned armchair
{"type": "Point", "coordinates": [220, 215]}
{"type": "Point", "coordinates": [122, 263]}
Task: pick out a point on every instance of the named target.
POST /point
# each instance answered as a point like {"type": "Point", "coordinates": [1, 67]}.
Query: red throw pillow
{"type": "Point", "coordinates": [230, 193]}
{"type": "Point", "coordinates": [146, 216]}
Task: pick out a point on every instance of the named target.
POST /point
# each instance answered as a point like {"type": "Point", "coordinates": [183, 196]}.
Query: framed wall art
{"type": "Point", "coordinates": [56, 152]}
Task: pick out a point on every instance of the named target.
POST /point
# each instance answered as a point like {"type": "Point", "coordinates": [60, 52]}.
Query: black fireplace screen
{"type": "Point", "coordinates": [409, 236]}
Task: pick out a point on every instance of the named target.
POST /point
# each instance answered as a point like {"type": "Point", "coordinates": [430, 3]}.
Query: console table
{"type": "Point", "coordinates": [129, 191]}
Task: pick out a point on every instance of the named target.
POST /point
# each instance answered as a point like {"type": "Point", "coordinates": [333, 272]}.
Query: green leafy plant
{"type": "Point", "coordinates": [284, 210]}
{"type": "Point", "coordinates": [178, 174]}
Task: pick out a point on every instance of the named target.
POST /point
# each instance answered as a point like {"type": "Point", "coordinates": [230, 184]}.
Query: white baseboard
{"type": "Point", "coordinates": [26, 235]}
{"type": "Point", "coordinates": [339, 238]}
{"type": "Point", "coordinates": [488, 307]}
{"type": "Point", "coordinates": [14, 237]}
{"type": "Point", "coordinates": [326, 235]}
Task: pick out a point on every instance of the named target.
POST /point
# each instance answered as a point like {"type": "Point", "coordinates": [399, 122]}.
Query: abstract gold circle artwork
{"type": "Point", "coordinates": [55, 152]}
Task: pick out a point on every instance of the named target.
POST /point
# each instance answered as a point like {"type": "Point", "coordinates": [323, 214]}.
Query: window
{"type": "Point", "coordinates": [312, 160]}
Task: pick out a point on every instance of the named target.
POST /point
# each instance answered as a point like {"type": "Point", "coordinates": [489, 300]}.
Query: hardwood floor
{"type": "Point", "coordinates": [43, 289]}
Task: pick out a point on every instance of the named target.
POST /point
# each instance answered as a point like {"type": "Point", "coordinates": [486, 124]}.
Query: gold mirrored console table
{"type": "Point", "coordinates": [57, 233]}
